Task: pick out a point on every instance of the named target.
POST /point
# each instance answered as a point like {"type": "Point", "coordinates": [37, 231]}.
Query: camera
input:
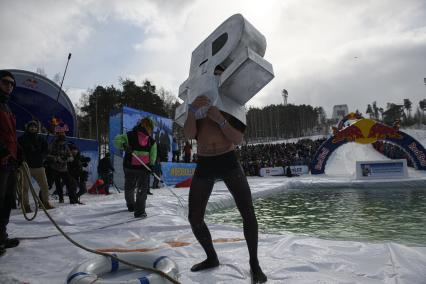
{"type": "Point", "coordinates": [84, 161]}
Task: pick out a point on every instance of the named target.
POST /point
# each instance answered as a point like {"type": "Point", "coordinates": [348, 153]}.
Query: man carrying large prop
{"type": "Point", "coordinates": [137, 142]}
{"type": "Point", "coordinates": [8, 159]}
{"type": "Point", "coordinates": [227, 69]}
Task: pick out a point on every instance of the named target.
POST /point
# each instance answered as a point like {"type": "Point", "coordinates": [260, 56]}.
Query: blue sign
{"type": "Point", "coordinates": [174, 173]}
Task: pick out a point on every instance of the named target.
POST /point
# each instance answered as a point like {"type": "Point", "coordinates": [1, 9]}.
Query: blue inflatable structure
{"type": "Point", "coordinates": [39, 98]}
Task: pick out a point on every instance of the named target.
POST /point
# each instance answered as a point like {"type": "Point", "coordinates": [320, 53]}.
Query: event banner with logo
{"type": "Point", "coordinates": [125, 119]}
{"type": "Point", "coordinates": [177, 172]}
{"type": "Point", "coordinates": [381, 169]}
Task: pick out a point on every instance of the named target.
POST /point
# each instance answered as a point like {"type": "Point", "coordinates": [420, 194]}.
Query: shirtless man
{"type": "Point", "coordinates": [217, 135]}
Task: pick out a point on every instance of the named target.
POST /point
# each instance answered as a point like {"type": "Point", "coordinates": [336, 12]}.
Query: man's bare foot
{"type": "Point", "coordinates": [206, 264]}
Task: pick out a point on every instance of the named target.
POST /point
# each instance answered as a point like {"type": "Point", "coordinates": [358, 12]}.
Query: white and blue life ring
{"type": "Point", "coordinates": [91, 271]}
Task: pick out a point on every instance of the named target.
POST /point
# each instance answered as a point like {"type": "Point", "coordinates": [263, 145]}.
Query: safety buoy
{"type": "Point", "coordinates": [92, 270]}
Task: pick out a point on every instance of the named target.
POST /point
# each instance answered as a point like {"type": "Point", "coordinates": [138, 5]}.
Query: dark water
{"type": "Point", "coordinates": [373, 215]}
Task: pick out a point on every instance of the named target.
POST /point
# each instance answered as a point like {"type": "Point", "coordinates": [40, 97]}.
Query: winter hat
{"type": "Point", "coordinates": [147, 123]}
{"type": "Point", "coordinates": [72, 146]}
{"type": "Point", "coordinates": [5, 73]}
{"type": "Point", "coordinates": [31, 122]}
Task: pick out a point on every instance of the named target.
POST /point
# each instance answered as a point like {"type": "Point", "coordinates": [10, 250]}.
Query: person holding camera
{"type": "Point", "coordinates": [76, 169]}
{"type": "Point", "coordinates": [35, 149]}
{"type": "Point", "coordinates": [105, 171]}
{"type": "Point", "coordinates": [60, 155]}
{"type": "Point", "coordinates": [139, 146]}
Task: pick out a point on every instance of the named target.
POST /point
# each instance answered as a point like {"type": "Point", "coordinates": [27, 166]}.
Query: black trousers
{"type": "Point", "coordinates": [139, 180]}
{"type": "Point", "coordinates": [70, 183]}
{"type": "Point", "coordinates": [7, 199]}
{"type": "Point", "coordinates": [227, 168]}
{"type": "Point", "coordinates": [106, 177]}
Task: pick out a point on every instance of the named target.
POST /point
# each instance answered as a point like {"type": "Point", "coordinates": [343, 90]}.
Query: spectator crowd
{"type": "Point", "coordinates": [255, 157]}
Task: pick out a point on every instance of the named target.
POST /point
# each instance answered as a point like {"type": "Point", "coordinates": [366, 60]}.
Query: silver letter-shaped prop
{"type": "Point", "coordinates": [237, 48]}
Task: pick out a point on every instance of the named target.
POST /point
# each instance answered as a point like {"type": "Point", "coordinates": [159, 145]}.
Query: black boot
{"type": "Point", "coordinates": [10, 243]}
{"type": "Point", "coordinates": [2, 250]}
{"type": "Point", "coordinates": [140, 215]}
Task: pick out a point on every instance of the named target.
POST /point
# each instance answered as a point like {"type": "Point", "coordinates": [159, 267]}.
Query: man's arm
{"type": "Point", "coordinates": [153, 154]}
{"type": "Point", "coordinates": [119, 140]}
{"type": "Point", "coordinates": [230, 132]}
{"type": "Point", "coordinates": [190, 126]}
{"type": "Point", "coordinates": [44, 148]}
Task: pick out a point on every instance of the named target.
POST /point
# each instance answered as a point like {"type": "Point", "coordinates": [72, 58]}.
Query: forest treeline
{"type": "Point", "coordinates": [263, 123]}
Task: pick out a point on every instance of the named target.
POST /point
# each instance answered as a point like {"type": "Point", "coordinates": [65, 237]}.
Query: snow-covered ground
{"type": "Point", "coordinates": [44, 256]}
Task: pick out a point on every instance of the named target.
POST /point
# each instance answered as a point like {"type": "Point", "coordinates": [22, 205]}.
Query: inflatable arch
{"type": "Point", "coordinates": [37, 97]}
{"type": "Point", "coordinates": [367, 131]}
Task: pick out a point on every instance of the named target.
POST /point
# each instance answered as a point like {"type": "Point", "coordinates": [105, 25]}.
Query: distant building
{"type": "Point", "coordinates": [339, 111]}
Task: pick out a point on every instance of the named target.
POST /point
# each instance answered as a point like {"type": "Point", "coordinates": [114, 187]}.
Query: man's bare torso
{"type": "Point", "coordinates": [210, 139]}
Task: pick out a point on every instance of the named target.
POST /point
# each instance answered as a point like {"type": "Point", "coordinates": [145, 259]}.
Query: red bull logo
{"type": "Point", "coordinates": [350, 134]}
{"type": "Point", "coordinates": [58, 126]}
{"type": "Point", "coordinates": [30, 83]}
{"type": "Point", "coordinates": [365, 131]}
{"type": "Point", "coordinates": [381, 132]}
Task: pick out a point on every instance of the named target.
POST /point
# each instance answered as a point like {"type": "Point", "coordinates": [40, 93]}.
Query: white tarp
{"type": "Point", "coordinates": [104, 223]}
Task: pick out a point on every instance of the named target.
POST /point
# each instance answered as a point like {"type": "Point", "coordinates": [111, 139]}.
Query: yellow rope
{"type": "Point", "coordinates": [21, 177]}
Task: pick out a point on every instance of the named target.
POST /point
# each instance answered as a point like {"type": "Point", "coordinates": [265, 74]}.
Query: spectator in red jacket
{"type": "Point", "coordinates": [8, 159]}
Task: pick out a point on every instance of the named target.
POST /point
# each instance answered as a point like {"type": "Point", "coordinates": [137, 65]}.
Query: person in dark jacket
{"type": "Point", "coordinates": [105, 171]}
{"type": "Point", "coordinates": [60, 155]}
{"type": "Point", "coordinates": [35, 150]}
{"type": "Point", "coordinates": [187, 149]}
{"type": "Point", "coordinates": [158, 172]}
{"type": "Point", "coordinates": [76, 169]}
{"type": "Point", "coordinates": [139, 143]}
{"type": "Point", "coordinates": [8, 159]}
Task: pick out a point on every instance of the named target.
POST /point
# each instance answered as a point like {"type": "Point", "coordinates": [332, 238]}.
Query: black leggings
{"type": "Point", "coordinates": [201, 188]}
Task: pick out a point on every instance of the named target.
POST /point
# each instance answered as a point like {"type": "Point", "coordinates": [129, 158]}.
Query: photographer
{"type": "Point", "coordinates": [105, 171]}
{"type": "Point", "coordinates": [76, 169]}
{"type": "Point", "coordinates": [60, 155]}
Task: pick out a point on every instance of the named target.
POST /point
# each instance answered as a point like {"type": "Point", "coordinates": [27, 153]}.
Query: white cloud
{"type": "Point", "coordinates": [323, 52]}
{"type": "Point", "coordinates": [75, 94]}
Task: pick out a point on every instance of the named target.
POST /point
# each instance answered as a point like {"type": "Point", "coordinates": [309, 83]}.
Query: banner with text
{"type": "Point", "coordinates": [280, 171]}
{"type": "Point", "coordinates": [381, 169]}
{"type": "Point", "coordinates": [177, 172]}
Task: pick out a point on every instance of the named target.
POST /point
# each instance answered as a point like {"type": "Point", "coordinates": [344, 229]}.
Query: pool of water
{"type": "Point", "coordinates": [373, 215]}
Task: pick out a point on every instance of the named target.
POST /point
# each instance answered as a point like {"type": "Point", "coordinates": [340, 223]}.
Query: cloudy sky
{"type": "Point", "coordinates": [324, 52]}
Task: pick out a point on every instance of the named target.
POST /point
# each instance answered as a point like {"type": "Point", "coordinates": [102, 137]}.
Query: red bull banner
{"type": "Point", "coordinates": [368, 131]}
